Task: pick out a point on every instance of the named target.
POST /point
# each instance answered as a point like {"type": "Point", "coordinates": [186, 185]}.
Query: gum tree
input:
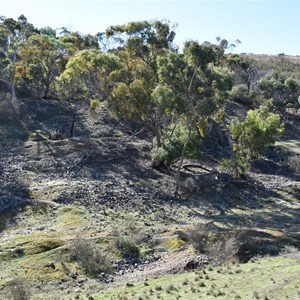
{"type": "Point", "coordinates": [42, 62]}
{"type": "Point", "coordinates": [139, 44]}
{"type": "Point", "coordinates": [191, 89]}
{"type": "Point", "coordinates": [12, 34]}
{"type": "Point", "coordinates": [87, 74]}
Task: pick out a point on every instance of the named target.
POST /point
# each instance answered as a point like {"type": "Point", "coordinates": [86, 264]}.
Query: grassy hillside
{"type": "Point", "coordinates": [281, 62]}
{"type": "Point", "coordinates": [267, 278]}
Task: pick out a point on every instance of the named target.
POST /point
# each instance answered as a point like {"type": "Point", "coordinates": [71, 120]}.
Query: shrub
{"type": "Point", "coordinates": [127, 246]}
{"type": "Point", "coordinates": [174, 138]}
{"type": "Point", "coordinates": [198, 236]}
{"type": "Point", "coordinates": [236, 165]}
{"type": "Point", "coordinates": [260, 128]}
{"type": "Point", "coordinates": [94, 103]}
{"type": "Point", "coordinates": [290, 251]}
{"type": "Point", "coordinates": [239, 93]}
{"type": "Point", "coordinates": [89, 256]}
{"type": "Point", "coordinates": [222, 251]}
{"type": "Point", "coordinates": [128, 237]}
{"type": "Point", "coordinates": [19, 289]}
{"type": "Point", "coordinates": [294, 163]}
{"type": "Point", "coordinates": [280, 87]}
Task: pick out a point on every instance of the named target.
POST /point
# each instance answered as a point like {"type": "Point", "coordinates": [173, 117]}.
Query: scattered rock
{"type": "Point", "coordinates": [50, 265]}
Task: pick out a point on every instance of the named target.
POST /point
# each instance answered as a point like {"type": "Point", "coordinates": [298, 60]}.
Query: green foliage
{"type": "Point", "coordinates": [128, 239]}
{"type": "Point", "coordinates": [138, 36]}
{"type": "Point", "coordinates": [12, 34]}
{"type": "Point", "coordinates": [132, 101]}
{"type": "Point", "coordinates": [282, 89]}
{"type": "Point", "coordinates": [236, 165]}
{"type": "Point", "coordinates": [127, 247]}
{"type": "Point", "coordinates": [201, 55]}
{"type": "Point", "coordinates": [75, 42]}
{"type": "Point", "coordinates": [259, 129]}
{"type": "Point", "coordinates": [239, 93]}
{"type": "Point", "coordinates": [174, 138]}
{"type": "Point", "coordinates": [87, 75]}
{"type": "Point", "coordinates": [48, 31]}
{"type": "Point", "coordinates": [191, 90]}
{"type": "Point", "coordinates": [41, 62]}
{"type": "Point", "coordinates": [94, 103]}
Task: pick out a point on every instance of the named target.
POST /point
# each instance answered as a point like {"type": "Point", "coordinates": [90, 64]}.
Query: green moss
{"type": "Point", "coordinates": [43, 246]}
{"type": "Point", "coordinates": [174, 244]}
{"type": "Point", "coordinates": [70, 216]}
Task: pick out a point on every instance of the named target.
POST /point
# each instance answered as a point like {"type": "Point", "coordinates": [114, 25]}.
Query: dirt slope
{"type": "Point", "coordinates": [81, 175]}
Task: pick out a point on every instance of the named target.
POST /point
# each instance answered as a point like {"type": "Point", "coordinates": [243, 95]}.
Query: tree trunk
{"type": "Point", "coordinates": [12, 79]}
{"type": "Point", "coordinates": [177, 175]}
{"type": "Point", "coordinates": [13, 91]}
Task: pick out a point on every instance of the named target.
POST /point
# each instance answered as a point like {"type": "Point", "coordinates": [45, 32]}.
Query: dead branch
{"type": "Point", "coordinates": [197, 166]}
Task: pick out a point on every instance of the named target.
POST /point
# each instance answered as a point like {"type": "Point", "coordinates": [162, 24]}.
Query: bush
{"type": "Point", "coordinates": [94, 103]}
{"type": "Point", "coordinates": [260, 128]}
{"type": "Point", "coordinates": [174, 138]}
{"type": "Point", "coordinates": [19, 289]}
{"type": "Point", "coordinates": [280, 87]}
{"type": "Point", "coordinates": [290, 251]}
{"type": "Point", "coordinates": [127, 240]}
{"type": "Point", "coordinates": [90, 257]}
{"type": "Point", "coordinates": [198, 236]}
{"type": "Point", "coordinates": [222, 251]}
{"type": "Point", "coordinates": [294, 163]}
{"type": "Point", "coordinates": [209, 243]}
{"type": "Point", "coordinates": [239, 93]}
{"type": "Point", "coordinates": [127, 247]}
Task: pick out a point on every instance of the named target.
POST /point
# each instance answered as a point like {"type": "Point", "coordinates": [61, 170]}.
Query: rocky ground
{"type": "Point", "coordinates": [67, 173]}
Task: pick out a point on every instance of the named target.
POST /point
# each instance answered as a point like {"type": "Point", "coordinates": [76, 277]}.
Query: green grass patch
{"type": "Point", "coordinates": [43, 246]}
{"type": "Point", "coordinates": [274, 278]}
{"type": "Point", "coordinates": [174, 244]}
{"type": "Point", "coordinates": [70, 216]}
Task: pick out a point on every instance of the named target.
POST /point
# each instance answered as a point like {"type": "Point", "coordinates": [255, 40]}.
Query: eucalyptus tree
{"type": "Point", "coordinates": [143, 38]}
{"type": "Point", "coordinates": [42, 60]}
{"type": "Point", "coordinates": [87, 75]}
{"type": "Point", "coordinates": [161, 88]}
{"type": "Point", "coordinates": [75, 41]}
{"type": "Point", "coordinates": [12, 34]}
{"type": "Point", "coordinates": [191, 89]}
{"type": "Point", "coordinates": [138, 44]}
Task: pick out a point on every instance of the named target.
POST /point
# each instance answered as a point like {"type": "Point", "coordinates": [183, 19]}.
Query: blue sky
{"type": "Point", "coordinates": [263, 26]}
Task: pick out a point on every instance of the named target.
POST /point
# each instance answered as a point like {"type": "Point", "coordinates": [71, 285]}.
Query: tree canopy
{"type": "Point", "coordinates": [142, 76]}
